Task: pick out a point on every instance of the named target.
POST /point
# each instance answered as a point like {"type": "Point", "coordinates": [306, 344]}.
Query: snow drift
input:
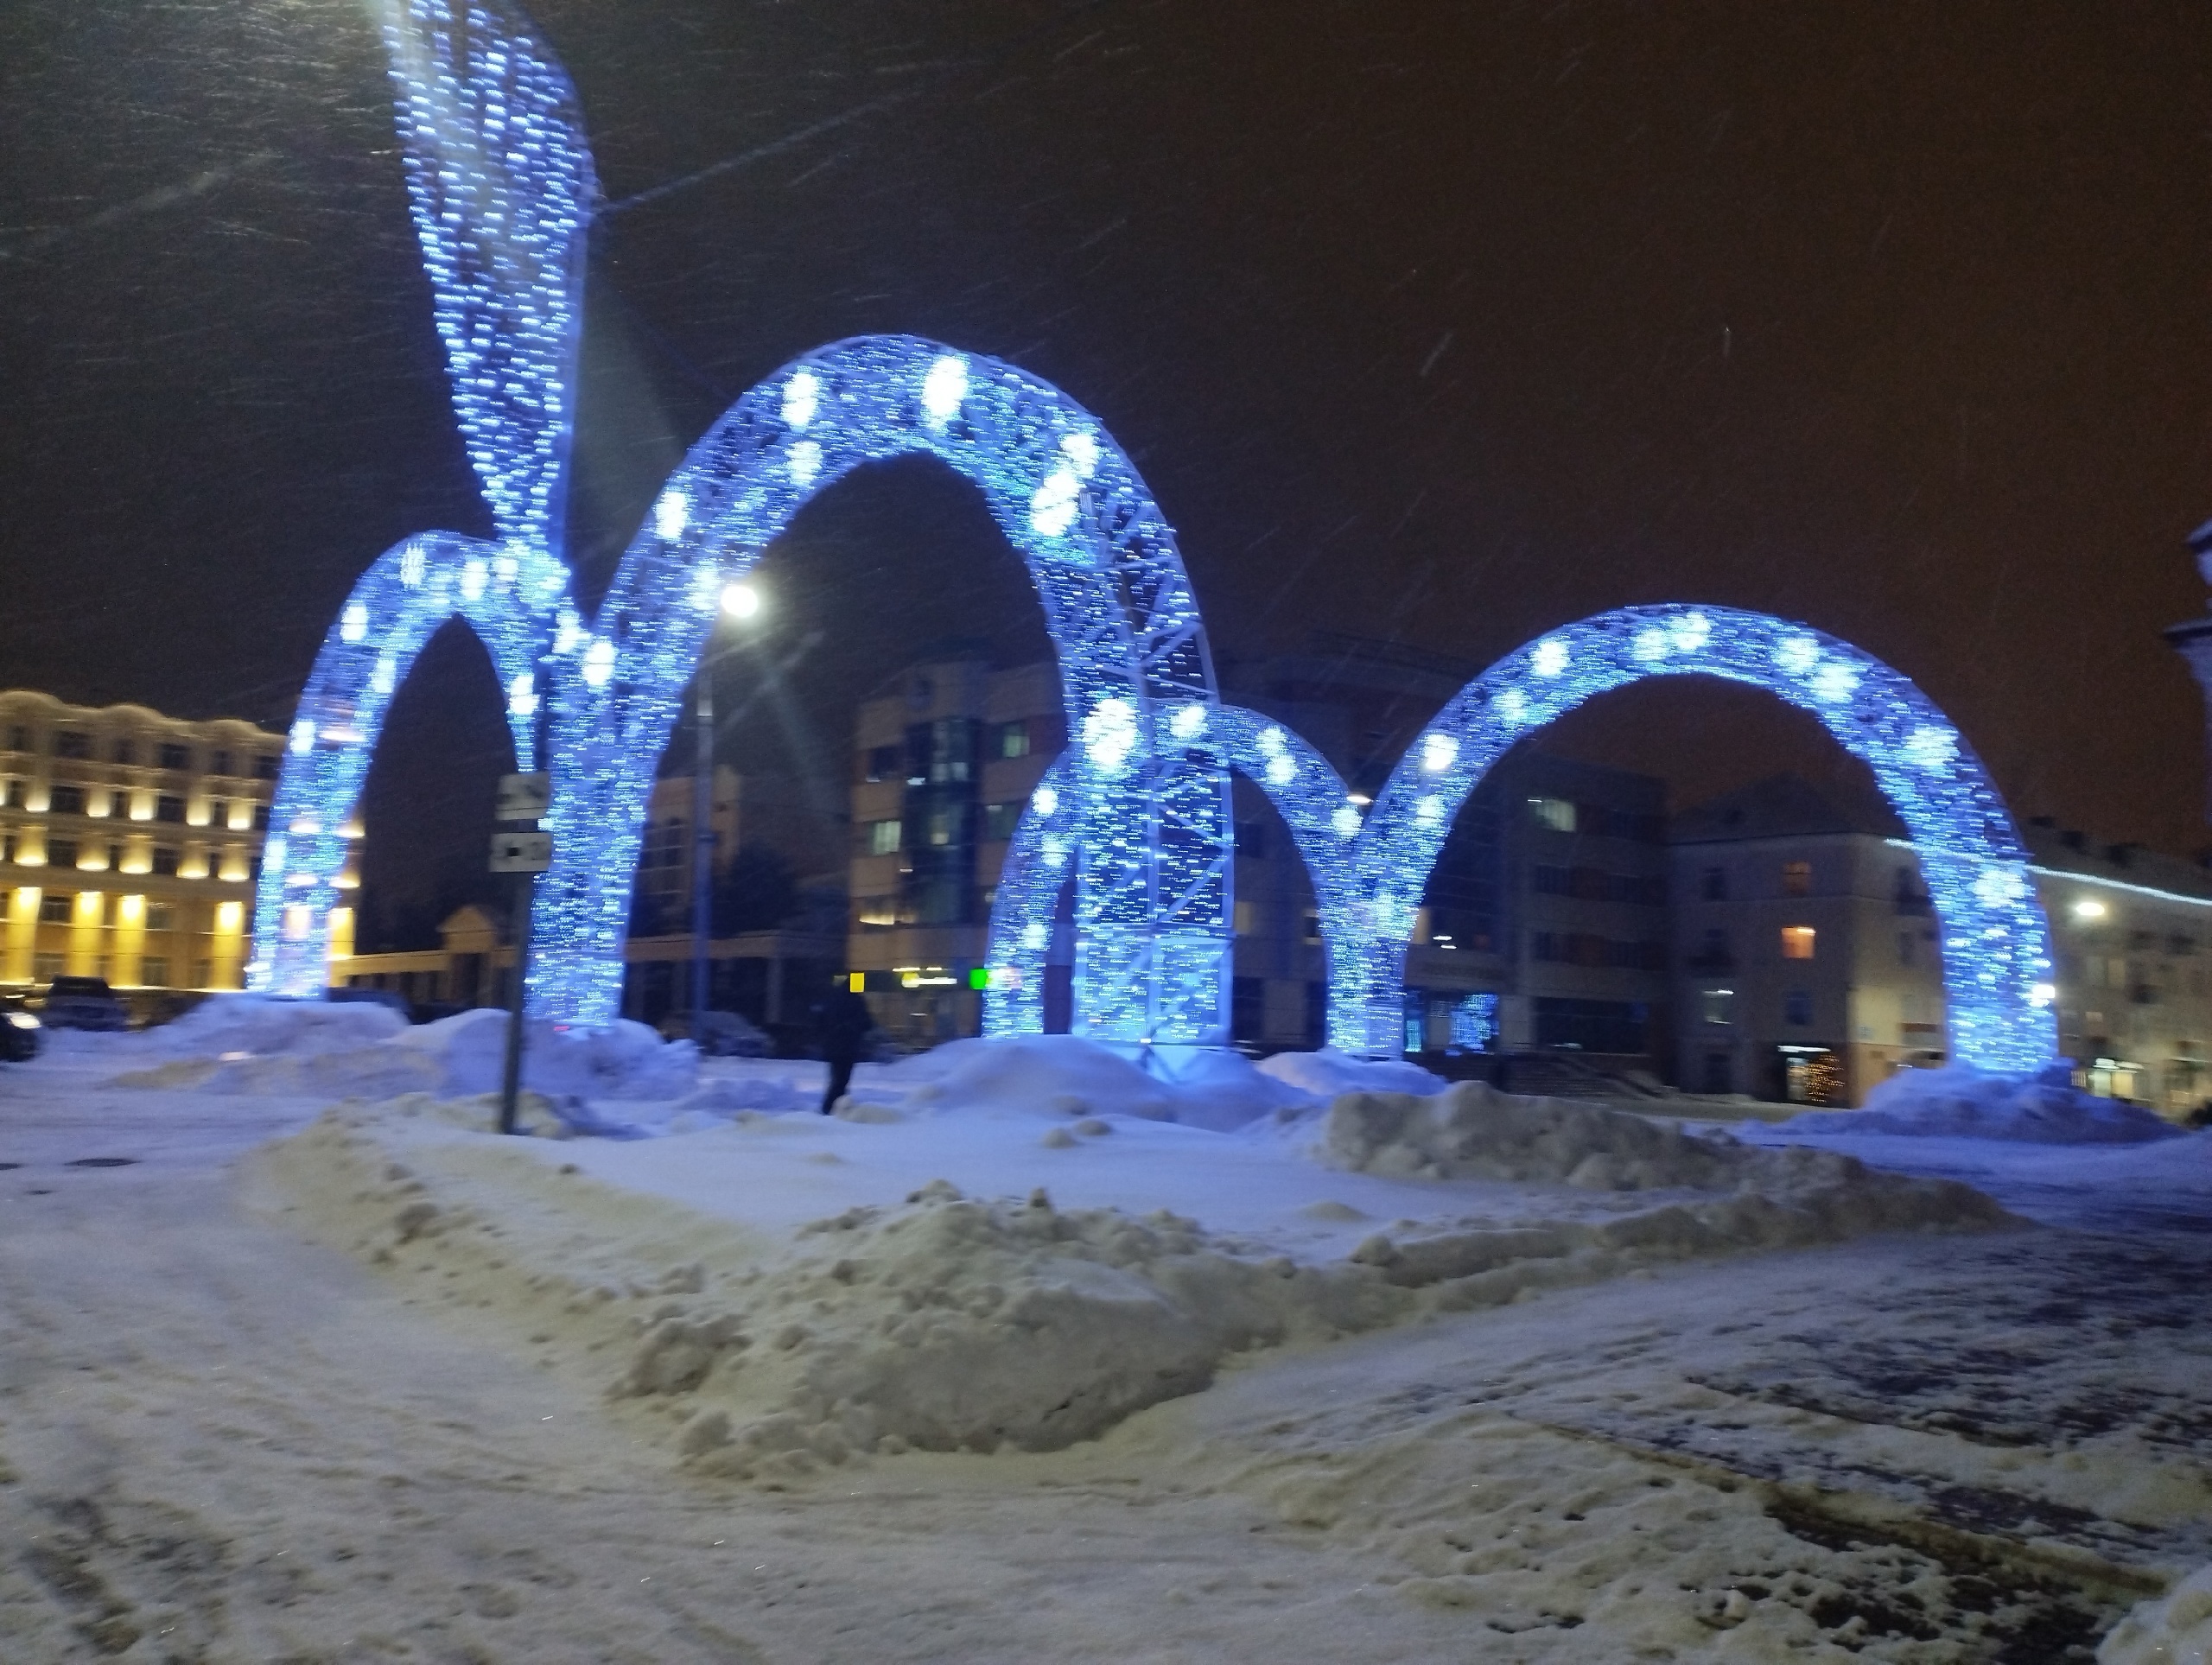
{"type": "Point", "coordinates": [1067, 1076]}
{"type": "Point", "coordinates": [1960, 1102]}
{"type": "Point", "coordinates": [310, 1049]}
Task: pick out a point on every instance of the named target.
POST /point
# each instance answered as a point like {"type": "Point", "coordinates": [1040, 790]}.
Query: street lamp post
{"type": "Point", "coordinates": [741, 601]}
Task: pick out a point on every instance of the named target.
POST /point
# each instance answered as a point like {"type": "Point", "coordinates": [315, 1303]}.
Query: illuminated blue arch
{"type": "Point", "coordinates": [1153, 870]}
{"type": "Point", "coordinates": [509, 594]}
{"type": "Point", "coordinates": [1996, 946]}
{"type": "Point", "coordinates": [1324, 817]}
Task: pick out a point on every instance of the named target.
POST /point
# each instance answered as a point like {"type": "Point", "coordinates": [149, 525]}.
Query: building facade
{"type": "Point", "coordinates": [945, 759]}
{"type": "Point", "coordinates": [1809, 958]}
{"type": "Point", "coordinates": [131, 840]}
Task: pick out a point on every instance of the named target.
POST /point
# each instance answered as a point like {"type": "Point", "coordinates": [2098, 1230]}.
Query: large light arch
{"type": "Point", "coordinates": [1153, 868]}
{"type": "Point", "coordinates": [1996, 944]}
{"type": "Point", "coordinates": [508, 595]}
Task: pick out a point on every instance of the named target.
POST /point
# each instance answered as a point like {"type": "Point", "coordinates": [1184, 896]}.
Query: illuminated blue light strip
{"type": "Point", "coordinates": [1153, 902]}
{"type": "Point", "coordinates": [1996, 942]}
{"type": "Point", "coordinates": [414, 587]}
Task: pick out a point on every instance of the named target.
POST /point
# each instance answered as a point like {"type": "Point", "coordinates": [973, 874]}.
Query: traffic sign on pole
{"type": "Point", "coordinates": [521, 852]}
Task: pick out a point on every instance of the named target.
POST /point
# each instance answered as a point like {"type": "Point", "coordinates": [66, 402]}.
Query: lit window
{"type": "Point", "coordinates": [1797, 941]}
{"type": "Point", "coordinates": [883, 838]}
{"type": "Point", "coordinates": [1797, 881]}
{"type": "Point", "coordinates": [1013, 740]}
{"type": "Point", "coordinates": [1556, 813]}
{"type": "Point", "coordinates": [1000, 820]}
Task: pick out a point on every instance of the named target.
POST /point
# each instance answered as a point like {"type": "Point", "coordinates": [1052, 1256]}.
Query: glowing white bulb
{"type": "Point", "coordinates": [522, 695]}
{"type": "Point", "coordinates": [353, 623]}
{"type": "Point", "coordinates": [741, 601]}
{"type": "Point", "coordinates": [1931, 747]}
{"type": "Point", "coordinates": [1271, 741]}
{"type": "Point", "coordinates": [475, 576]}
{"type": "Point", "coordinates": [1651, 644]}
{"type": "Point", "coordinates": [1835, 682]}
{"type": "Point", "coordinates": [1691, 631]}
{"type": "Point", "coordinates": [1047, 800]}
{"type": "Point", "coordinates": [671, 514]}
{"type": "Point", "coordinates": [302, 737]}
{"type": "Point", "coordinates": [272, 855]}
{"type": "Point", "coordinates": [1051, 510]}
{"type": "Point", "coordinates": [1109, 733]}
{"type": "Point", "coordinates": [804, 462]}
{"type": "Point", "coordinates": [1438, 751]}
{"type": "Point", "coordinates": [1187, 720]}
{"type": "Point", "coordinates": [1282, 769]}
{"type": "Point", "coordinates": [506, 568]}
{"type": "Point", "coordinates": [386, 675]}
{"type": "Point", "coordinates": [1549, 657]}
{"type": "Point", "coordinates": [1054, 848]}
{"type": "Point", "coordinates": [802, 398]}
{"type": "Point", "coordinates": [1997, 885]}
{"type": "Point", "coordinates": [943, 389]}
{"type": "Point", "coordinates": [2088, 908]}
{"type": "Point", "coordinates": [568, 630]}
{"type": "Point", "coordinates": [410, 569]}
{"type": "Point", "coordinates": [1797, 653]}
{"type": "Point", "coordinates": [1346, 820]}
{"type": "Point", "coordinates": [1513, 705]}
{"type": "Point", "coordinates": [1035, 936]}
{"type": "Point", "coordinates": [599, 662]}
{"type": "Point", "coordinates": [2041, 994]}
{"type": "Point", "coordinates": [1081, 449]}
{"type": "Point", "coordinates": [1429, 809]}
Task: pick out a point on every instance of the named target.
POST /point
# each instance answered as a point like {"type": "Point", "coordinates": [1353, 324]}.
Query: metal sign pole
{"type": "Point", "coordinates": [510, 1075]}
{"type": "Point", "coordinates": [525, 854]}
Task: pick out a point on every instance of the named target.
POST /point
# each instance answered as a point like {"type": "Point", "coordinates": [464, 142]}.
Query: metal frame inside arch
{"type": "Point", "coordinates": [1152, 854]}
{"type": "Point", "coordinates": [1995, 939]}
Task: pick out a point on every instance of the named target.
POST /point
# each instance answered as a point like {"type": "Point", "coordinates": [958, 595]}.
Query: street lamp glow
{"type": "Point", "coordinates": [2088, 908]}
{"type": "Point", "coordinates": [741, 601]}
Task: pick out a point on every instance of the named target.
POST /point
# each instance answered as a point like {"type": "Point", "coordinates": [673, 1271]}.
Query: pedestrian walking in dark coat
{"type": "Point", "coordinates": [842, 1025]}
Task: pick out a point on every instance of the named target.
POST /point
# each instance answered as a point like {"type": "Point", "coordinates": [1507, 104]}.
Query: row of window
{"type": "Point", "coordinates": [941, 828]}
{"type": "Point", "coordinates": [65, 798]}
{"type": "Point", "coordinates": [153, 970]}
{"type": "Point", "coordinates": [1587, 949]}
{"type": "Point", "coordinates": [1796, 879]}
{"type": "Point", "coordinates": [58, 907]}
{"type": "Point", "coordinates": [165, 860]}
{"type": "Point", "coordinates": [1597, 820]}
{"type": "Point", "coordinates": [1595, 885]}
{"type": "Point", "coordinates": [1717, 1007]}
{"type": "Point", "coordinates": [162, 754]}
{"type": "Point", "coordinates": [946, 750]}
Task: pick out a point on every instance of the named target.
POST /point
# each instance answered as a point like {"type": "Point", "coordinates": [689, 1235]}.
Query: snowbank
{"type": "Point", "coordinates": [1065, 1076]}
{"type": "Point", "coordinates": [943, 1324]}
{"type": "Point", "coordinates": [1960, 1101]}
{"type": "Point", "coordinates": [298, 1050]}
{"type": "Point", "coordinates": [947, 1321]}
{"type": "Point", "coordinates": [1328, 1073]}
{"type": "Point", "coordinates": [260, 1025]}
{"type": "Point", "coordinates": [2175, 1630]}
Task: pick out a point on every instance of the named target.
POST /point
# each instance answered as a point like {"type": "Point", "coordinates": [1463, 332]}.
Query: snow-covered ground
{"type": "Point", "coordinates": [1022, 1358]}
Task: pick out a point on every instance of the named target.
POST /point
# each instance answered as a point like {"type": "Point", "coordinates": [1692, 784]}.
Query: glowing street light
{"type": "Point", "coordinates": [741, 601]}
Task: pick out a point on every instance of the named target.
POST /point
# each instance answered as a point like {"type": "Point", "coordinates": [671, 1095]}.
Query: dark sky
{"type": "Point", "coordinates": [1439, 322]}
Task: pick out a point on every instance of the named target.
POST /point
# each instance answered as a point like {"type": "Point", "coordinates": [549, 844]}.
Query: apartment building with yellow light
{"type": "Point", "coordinates": [130, 842]}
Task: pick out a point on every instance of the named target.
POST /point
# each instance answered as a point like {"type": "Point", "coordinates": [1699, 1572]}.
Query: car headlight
{"type": "Point", "coordinates": [23, 1020]}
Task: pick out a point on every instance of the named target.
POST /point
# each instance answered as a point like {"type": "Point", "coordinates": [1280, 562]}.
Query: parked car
{"type": "Point", "coordinates": [725, 1035]}
{"type": "Point", "coordinates": [21, 1033]}
{"type": "Point", "coordinates": [81, 1003]}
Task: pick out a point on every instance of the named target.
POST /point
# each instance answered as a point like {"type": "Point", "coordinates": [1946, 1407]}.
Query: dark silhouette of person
{"type": "Point", "coordinates": [842, 1026]}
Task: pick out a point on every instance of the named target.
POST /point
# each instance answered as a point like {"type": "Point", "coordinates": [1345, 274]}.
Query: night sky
{"type": "Point", "coordinates": [1444, 323]}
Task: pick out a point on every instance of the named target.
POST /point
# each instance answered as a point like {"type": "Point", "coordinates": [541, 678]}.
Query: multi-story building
{"type": "Point", "coordinates": [1549, 899]}
{"type": "Point", "coordinates": [1808, 956]}
{"type": "Point", "coordinates": [945, 760]}
{"type": "Point", "coordinates": [2131, 939]}
{"type": "Point", "coordinates": [131, 841]}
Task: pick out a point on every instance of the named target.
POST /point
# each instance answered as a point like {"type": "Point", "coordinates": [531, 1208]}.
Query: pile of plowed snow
{"type": "Point", "coordinates": [1067, 1076]}
{"type": "Point", "coordinates": [242, 1044]}
{"type": "Point", "coordinates": [1960, 1102]}
{"type": "Point", "coordinates": [951, 1321]}
{"type": "Point", "coordinates": [2177, 1629]}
